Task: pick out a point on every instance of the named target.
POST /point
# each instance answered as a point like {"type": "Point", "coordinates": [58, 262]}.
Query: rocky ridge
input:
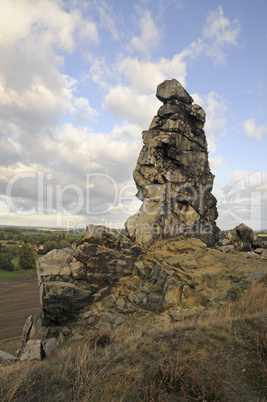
{"type": "Point", "coordinates": [172, 174]}
{"type": "Point", "coordinates": [108, 282]}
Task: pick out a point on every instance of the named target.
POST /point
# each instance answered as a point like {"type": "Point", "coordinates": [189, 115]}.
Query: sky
{"type": "Point", "coordinates": [77, 87]}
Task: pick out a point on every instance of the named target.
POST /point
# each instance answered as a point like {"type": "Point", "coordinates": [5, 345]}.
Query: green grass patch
{"type": "Point", "coordinates": [39, 233]}
{"type": "Point", "coordinates": [17, 271]}
{"type": "Point", "coordinates": [14, 274]}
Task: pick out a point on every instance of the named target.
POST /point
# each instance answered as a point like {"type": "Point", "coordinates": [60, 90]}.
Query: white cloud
{"type": "Point", "coordinates": [33, 37]}
{"type": "Point", "coordinates": [218, 33]}
{"type": "Point", "coordinates": [251, 131]}
{"type": "Point", "coordinates": [142, 76]}
{"type": "Point", "coordinates": [82, 104]}
{"type": "Point", "coordinates": [215, 162]}
{"type": "Point", "coordinates": [99, 72]}
{"type": "Point", "coordinates": [215, 108]}
{"type": "Point", "coordinates": [242, 200]}
{"type": "Point", "coordinates": [127, 103]}
{"type": "Point", "coordinates": [75, 151]}
{"type": "Point", "coordinates": [150, 36]}
{"type": "Point", "coordinates": [136, 102]}
{"type": "Point", "coordinates": [44, 18]}
{"type": "Point", "coordinates": [216, 122]}
{"type": "Point", "coordinates": [145, 75]}
{"type": "Point", "coordinates": [106, 18]}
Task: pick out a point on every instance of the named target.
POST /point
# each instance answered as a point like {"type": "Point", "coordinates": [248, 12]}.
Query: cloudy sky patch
{"type": "Point", "coordinates": [77, 88]}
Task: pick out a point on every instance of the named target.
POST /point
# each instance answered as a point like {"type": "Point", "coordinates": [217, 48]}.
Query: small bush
{"type": "Point", "coordinates": [237, 291]}
{"type": "Point", "coordinates": [27, 257]}
{"type": "Point", "coordinates": [5, 262]}
{"type": "Point", "coordinates": [100, 339]}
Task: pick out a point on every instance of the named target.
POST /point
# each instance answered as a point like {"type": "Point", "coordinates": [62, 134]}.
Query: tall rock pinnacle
{"type": "Point", "coordinates": [172, 174]}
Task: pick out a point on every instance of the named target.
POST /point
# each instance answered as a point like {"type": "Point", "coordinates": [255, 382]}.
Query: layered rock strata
{"type": "Point", "coordinates": [172, 174]}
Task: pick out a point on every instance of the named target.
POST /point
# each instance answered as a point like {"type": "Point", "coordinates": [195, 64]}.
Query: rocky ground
{"type": "Point", "coordinates": [216, 355]}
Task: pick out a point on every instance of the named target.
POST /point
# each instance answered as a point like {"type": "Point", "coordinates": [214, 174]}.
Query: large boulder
{"type": "Point", "coordinates": [71, 279]}
{"type": "Point", "coordinates": [7, 357]}
{"type": "Point", "coordinates": [172, 174]}
{"type": "Point", "coordinates": [33, 351]}
{"type": "Point", "coordinates": [172, 90]}
{"type": "Point", "coordinates": [243, 238]}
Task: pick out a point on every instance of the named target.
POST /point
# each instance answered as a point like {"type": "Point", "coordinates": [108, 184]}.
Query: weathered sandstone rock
{"type": "Point", "coordinates": [243, 238]}
{"type": "Point", "coordinates": [173, 276]}
{"type": "Point", "coordinates": [33, 350]}
{"type": "Point", "coordinates": [172, 174]}
{"type": "Point", "coordinates": [71, 279]}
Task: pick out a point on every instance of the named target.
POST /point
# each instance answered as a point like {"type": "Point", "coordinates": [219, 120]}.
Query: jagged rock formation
{"type": "Point", "coordinates": [172, 175]}
{"type": "Point", "coordinates": [106, 280]}
{"type": "Point", "coordinates": [71, 279]}
{"type": "Point", "coordinates": [242, 238]}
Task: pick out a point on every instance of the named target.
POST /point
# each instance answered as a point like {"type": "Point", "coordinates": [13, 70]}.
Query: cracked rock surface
{"type": "Point", "coordinates": [173, 175]}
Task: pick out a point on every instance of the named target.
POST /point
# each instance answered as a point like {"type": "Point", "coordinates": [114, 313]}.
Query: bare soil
{"type": "Point", "coordinates": [19, 298]}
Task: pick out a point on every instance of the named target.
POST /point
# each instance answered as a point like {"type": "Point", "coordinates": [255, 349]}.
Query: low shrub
{"type": "Point", "coordinates": [187, 382]}
{"type": "Point", "coordinates": [100, 339]}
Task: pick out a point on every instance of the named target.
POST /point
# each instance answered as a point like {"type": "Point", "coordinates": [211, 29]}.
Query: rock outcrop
{"type": "Point", "coordinates": [106, 280]}
{"type": "Point", "coordinates": [172, 175]}
{"type": "Point", "coordinates": [242, 238]}
{"type": "Point", "coordinates": [71, 279]}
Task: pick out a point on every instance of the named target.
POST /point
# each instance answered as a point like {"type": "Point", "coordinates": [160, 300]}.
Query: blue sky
{"type": "Point", "coordinates": [77, 88]}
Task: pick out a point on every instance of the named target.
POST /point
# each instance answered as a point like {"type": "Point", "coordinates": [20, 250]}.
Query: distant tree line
{"type": "Point", "coordinates": [18, 243]}
{"type": "Point", "coordinates": [26, 254]}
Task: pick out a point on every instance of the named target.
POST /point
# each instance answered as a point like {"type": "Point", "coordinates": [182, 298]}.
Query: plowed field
{"type": "Point", "coordinates": [19, 298]}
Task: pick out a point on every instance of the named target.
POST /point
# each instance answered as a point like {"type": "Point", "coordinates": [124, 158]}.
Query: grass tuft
{"type": "Point", "coordinates": [100, 339]}
{"type": "Point", "coordinates": [184, 380]}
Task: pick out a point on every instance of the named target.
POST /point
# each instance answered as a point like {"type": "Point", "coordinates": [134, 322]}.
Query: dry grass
{"type": "Point", "coordinates": [218, 356]}
{"type": "Point", "coordinates": [10, 345]}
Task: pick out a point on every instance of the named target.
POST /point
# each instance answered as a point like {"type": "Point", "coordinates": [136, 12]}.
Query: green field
{"type": "Point", "coordinates": [14, 274]}
{"type": "Point", "coordinates": [46, 233]}
{"type": "Point", "coordinates": [40, 233]}
{"type": "Point", "coordinates": [17, 271]}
